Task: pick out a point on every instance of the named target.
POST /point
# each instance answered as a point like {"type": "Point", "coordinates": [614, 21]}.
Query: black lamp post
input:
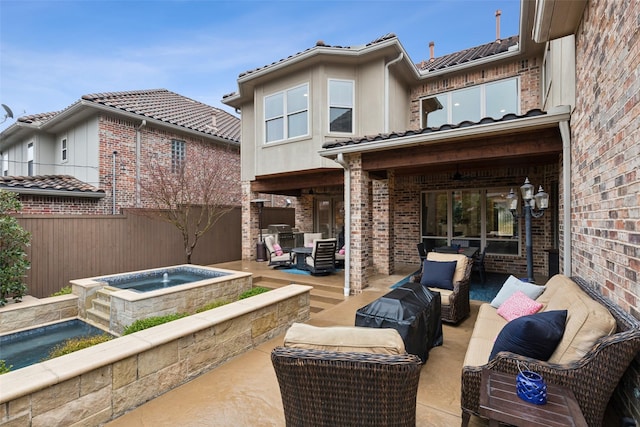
{"type": "Point", "coordinates": [261, 250]}
{"type": "Point", "coordinates": [541, 199]}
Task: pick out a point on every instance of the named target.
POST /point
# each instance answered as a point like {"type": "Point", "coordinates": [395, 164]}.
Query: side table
{"type": "Point", "coordinates": [499, 402]}
{"type": "Point", "coordinates": [301, 253]}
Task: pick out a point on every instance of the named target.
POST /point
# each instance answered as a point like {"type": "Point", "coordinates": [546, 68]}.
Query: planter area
{"type": "Point", "coordinates": [97, 384]}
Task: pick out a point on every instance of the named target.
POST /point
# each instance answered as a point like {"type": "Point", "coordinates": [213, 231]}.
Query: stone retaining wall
{"type": "Point", "coordinates": [100, 383]}
{"type": "Point", "coordinates": [34, 312]}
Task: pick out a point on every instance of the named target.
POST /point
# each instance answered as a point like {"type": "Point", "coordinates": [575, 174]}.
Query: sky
{"type": "Point", "coordinates": [53, 51]}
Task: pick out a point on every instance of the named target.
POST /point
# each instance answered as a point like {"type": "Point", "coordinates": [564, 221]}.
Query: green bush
{"type": "Point", "coordinates": [4, 368]}
{"type": "Point", "coordinates": [13, 243]}
{"type": "Point", "coordinates": [150, 322]}
{"type": "Point", "coordinates": [212, 305]}
{"type": "Point", "coordinates": [78, 343]}
{"type": "Point", "coordinates": [254, 291]}
{"type": "Point", "coordinates": [64, 291]}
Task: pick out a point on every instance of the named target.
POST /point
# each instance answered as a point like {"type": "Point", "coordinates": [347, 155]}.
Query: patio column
{"type": "Point", "coordinates": [383, 224]}
{"type": "Point", "coordinates": [250, 221]}
{"type": "Point", "coordinates": [361, 234]}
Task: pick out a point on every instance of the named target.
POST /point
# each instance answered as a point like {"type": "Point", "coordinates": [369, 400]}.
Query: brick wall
{"type": "Point", "coordinates": [46, 205]}
{"type": "Point", "coordinates": [605, 163]}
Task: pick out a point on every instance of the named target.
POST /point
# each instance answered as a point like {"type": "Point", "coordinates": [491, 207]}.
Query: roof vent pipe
{"type": "Point", "coordinates": [498, 13]}
{"type": "Point", "coordinates": [432, 46]}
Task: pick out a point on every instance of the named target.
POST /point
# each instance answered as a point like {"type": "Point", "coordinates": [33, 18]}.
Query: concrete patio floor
{"type": "Point", "coordinates": [244, 391]}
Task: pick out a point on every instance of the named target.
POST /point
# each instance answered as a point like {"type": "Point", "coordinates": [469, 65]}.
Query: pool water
{"type": "Point", "coordinates": [25, 348]}
{"type": "Point", "coordinates": [153, 280]}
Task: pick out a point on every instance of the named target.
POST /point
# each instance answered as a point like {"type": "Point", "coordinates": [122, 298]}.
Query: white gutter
{"type": "Point", "coordinates": [553, 117]}
{"type": "Point", "coordinates": [138, 145]}
{"type": "Point", "coordinates": [386, 90]}
{"type": "Point", "coordinates": [565, 133]}
{"type": "Point", "coordinates": [347, 223]}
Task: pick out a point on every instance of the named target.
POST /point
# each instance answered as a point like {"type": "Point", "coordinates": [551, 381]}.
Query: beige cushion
{"type": "Point", "coordinates": [461, 266]}
{"type": "Point", "coordinates": [487, 327]}
{"type": "Point", "coordinates": [345, 339]}
{"type": "Point", "coordinates": [587, 320]}
{"type": "Point", "coordinates": [445, 294]}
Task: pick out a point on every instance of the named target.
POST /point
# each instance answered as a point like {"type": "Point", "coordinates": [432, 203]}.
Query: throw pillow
{"type": "Point", "coordinates": [535, 336]}
{"type": "Point", "coordinates": [438, 274]}
{"type": "Point", "coordinates": [341, 251]}
{"type": "Point", "coordinates": [277, 249]}
{"type": "Point", "coordinates": [511, 286]}
{"type": "Point", "coordinates": [518, 305]}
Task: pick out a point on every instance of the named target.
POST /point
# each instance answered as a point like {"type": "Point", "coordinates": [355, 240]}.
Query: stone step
{"type": "Point", "coordinates": [319, 299]}
{"type": "Point", "coordinates": [102, 306]}
{"type": "Point", "coordinates": [316, 286]}
{"type": "Point", "coordinates": [98, 317]}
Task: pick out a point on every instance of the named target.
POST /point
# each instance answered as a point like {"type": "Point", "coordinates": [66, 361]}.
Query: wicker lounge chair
{"type": "Point", "coordinates": [455, 304]}
{"type": "Point", "coordinates": [327, 388]}
{"type": "Point", "coordinates": [592, 378]}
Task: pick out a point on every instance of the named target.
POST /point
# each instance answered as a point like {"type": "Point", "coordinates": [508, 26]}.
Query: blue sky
{"type": "Point", "coordinates": [52, 52]}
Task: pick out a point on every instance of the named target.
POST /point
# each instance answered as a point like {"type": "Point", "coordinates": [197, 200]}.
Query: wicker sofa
{"type": "Point", "coordinates": [586, 361]}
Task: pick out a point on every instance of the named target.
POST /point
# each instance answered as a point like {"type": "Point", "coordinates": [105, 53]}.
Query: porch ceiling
{"type": "Point", "coordinates": [292, 184]}
{"type": "Point", "coordinates": [516, 149]}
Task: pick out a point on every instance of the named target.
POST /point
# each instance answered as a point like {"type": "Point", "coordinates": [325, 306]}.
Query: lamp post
{"type": "Point", "coordinates": [541, 199]}
{"type": "Point", "coordinates": [261, 250]}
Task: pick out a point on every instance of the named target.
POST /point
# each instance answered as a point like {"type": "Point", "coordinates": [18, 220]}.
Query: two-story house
{"type": "Point", "coordinates": [91, 157]}
{"type": "Point", "coordinates": [398, 152]}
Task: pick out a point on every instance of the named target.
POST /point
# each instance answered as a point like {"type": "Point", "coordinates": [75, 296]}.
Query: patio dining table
{"type": "Point", "coordinates": [469, 251]}
{"type": "Point", "coordinates": [301, 254]}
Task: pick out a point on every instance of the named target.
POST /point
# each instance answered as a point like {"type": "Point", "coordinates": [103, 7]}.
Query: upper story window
{"type": "Point", "coordinates": [286, 114]}
{"type": "Point", "coordinates": [63, 150]}
{"type": "Point", "coordinates": [30, 159]}
{"type": "Point", "coordinates": [493, 99]}
{"type": "Point", "coordinates": [178, 155]}
{"type": "Point", "coordinates": [341, 106]}
{"type": "Point", "coordinates": [5, 164]}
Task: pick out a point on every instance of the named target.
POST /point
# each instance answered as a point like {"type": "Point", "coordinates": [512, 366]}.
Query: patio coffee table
{"type": "Point", "coordinates": [499, 402]}
{"type": "Point", "coordinates": [301, 254]}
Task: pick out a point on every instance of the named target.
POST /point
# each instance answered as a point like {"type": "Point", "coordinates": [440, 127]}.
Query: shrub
{"type": "Point", "coordinates": [150, 322]}
{"type": "Point", "coordinates": [4, 368]}
{"type": "Point", "coordinates": [13, 256]}
{"type": "Point", "coordinates": [78, 343]}
{"type": "Point", "coordinates": [212, 305]}
{"type": "Point", "coordinates": [64, 291]}
{"type": "Point", "coordinates": [253, 291]}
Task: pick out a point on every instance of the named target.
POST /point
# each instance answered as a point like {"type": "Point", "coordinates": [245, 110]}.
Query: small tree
{"type": "Point", "coordinates": [13, 243]}
{"type": "Point", "coordinates": [194, 193]}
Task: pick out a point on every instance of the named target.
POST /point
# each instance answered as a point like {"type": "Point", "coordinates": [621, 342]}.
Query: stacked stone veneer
{"type": "Point", "coordinates": [605, 163]}
{"type": "Point", "coordinates": [33, 312]}
{"type": "Point", "coordinates": [97, 384]}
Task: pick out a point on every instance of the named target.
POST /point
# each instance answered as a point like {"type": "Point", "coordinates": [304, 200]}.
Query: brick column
{"type": "Point", "coordinates": [361, 234]}
{"type": "Point", "coordinates": [250, 223]}
{"type": "Point", "coordinates": [382, 213]}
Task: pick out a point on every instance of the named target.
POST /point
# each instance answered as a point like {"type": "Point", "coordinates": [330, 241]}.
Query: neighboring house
{"type": "Point", "coordinates": [91, 157]}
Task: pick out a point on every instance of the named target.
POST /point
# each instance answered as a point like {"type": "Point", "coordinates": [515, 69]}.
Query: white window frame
{"type": "Point", "coordinates": [178, 154]}
{"type": "Point", "coordinates": [30, 156]}
{"type": "Point", "coordinates": [64, 150]}
{"type": "Point", "coordinates": [5, 164]}
{"type": "Point", "coordinates": [285, 114]}
{"type": "Point", "coordinates": [352, 106]}
{"type": "Point", "coordinates": [483, 101]}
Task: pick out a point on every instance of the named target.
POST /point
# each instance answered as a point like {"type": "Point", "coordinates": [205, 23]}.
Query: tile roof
{"type": "Point", "coordinates": [163, 105]}
{"type": "Point", "coordinates": [56, 183]}
{"type": "Point", "coordinates": [468, 55]}
{"type": "Point", "coordinates": [428, 130]}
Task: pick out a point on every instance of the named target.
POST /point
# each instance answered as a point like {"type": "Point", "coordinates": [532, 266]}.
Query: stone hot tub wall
{"type": "Point", "coordinates": [97, 384]}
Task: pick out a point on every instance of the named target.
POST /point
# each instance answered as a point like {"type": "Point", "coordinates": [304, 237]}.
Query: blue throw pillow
{"type": "Point", "coordinates": [536, 335]}
{"type": "Point", "coordinates": [438, 274]}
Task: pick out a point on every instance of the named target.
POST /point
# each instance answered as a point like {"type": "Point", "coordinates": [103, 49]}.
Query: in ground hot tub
{"type": "Point", "coordinates": [118, 300]}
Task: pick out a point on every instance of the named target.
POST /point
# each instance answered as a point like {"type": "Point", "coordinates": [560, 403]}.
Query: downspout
{"type": "Point", "coordinates": [386, 90]}
{"type": "Point", "coordinates": [138, 149]}
{"type": "Point", "coordinates": [565, 133]}
{"type": "Point", "coordinates": [347, 223]}
{"type": "Point", "coordinates": [113, 189]}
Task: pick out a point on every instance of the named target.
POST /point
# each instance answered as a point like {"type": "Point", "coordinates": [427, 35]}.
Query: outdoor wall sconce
{"type": "Point", "coordinates": [530, 202]}
{"type": "Point", "coordinates": [261, 250]}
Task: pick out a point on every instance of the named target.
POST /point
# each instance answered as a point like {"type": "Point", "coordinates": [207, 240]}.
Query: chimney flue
{"type": "Point", "coordinates": [432, 46]}
{"type": "Point", "coordinates": [498, 13]}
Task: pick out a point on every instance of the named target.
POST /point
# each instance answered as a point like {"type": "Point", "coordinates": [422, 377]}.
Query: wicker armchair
{"type": "Point", "coordinates": [326, 388]}
{"type": "Point", "coordinates": [455, 304]}
{"type": "Point", "coordinates": [592, 378]}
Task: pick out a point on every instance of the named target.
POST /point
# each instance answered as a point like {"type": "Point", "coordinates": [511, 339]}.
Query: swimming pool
{"type": "Point", "coordinates": [152, 280]}
{"type": "Point", "coordinates": [24, 348]}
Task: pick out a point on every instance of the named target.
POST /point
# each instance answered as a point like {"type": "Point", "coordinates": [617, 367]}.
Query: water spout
{"type": "Point", "coordinates": [165, 278]}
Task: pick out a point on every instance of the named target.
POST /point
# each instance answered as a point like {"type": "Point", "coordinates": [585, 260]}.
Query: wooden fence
{"type": "Point", "coordinates": [66, 247]}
